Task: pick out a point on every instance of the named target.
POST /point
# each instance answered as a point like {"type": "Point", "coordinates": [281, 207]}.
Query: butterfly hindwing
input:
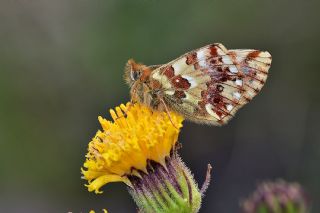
{"type": "Point", "coordinates": [210, 84]}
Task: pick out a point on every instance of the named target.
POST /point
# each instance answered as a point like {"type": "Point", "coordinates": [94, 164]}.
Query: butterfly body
{"type": "Point", "coordinates": [207, 85]}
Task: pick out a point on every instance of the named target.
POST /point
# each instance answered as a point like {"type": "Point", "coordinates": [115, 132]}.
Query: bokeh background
{"type": "Point", "coordinates": [61, 65]}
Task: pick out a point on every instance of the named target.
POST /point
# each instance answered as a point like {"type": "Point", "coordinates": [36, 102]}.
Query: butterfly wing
{"type": "Point", "coordinates": [210, 84]}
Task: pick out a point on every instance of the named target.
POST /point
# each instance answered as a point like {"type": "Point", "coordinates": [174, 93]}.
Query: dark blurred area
{"type": "Point", "coordinates": [61, 65]}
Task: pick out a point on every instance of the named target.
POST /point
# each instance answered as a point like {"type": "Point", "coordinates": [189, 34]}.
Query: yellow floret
{"type": "Point", "coordinates": [136, 135]}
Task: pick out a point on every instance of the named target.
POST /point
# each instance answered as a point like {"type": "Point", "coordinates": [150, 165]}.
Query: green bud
{"type": "Point", "coordinates": [167, 188]}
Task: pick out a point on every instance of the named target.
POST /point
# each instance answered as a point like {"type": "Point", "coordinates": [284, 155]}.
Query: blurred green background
{"type": "Point", "coordinates": [61, 65]}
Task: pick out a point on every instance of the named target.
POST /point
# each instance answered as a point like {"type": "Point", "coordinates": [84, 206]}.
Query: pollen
{"type": "Point", "coordinates": [125, 145]}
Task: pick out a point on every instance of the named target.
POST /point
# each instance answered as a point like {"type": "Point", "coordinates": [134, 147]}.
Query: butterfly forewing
{"type": "Point", "coordinates": [210, 84]}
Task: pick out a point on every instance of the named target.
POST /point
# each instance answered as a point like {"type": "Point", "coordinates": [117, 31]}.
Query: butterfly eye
{"type": "Point", "coordinates": [135, 75]}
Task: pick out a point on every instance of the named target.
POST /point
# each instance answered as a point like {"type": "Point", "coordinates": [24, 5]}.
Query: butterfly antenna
{"type": "Point", "coordinates": [168, 113]}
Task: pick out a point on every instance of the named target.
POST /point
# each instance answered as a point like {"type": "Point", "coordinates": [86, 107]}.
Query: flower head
{"type": "Point", "coordinates": [123, 147]}
{"type": "Point", "coordinates": [167, 189]}
{"type": "Point", "coordinates": [279, 197]}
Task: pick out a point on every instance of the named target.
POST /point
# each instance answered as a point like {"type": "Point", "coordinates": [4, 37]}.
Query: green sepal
{"type": "Point", "coordinates": [167, 189]}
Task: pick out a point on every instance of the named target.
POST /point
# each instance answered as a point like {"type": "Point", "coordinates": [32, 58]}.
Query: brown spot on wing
{"type": "Point", "coordinates": [247, 98]}
{"type": "Point", "coordinates": [219, 69]}
{"type": "Point", "coordinates": [179, 94]}
{"type": "Point", "coordinates": [213, 50]}
{"type": "Point", "coordinates": [168, 71]}
{"type": "Point", "coordinates": [180, 83]}
{"type": "Point", "coordinates": [254, 54]}
{"type": "Point", "coordinates": [217, 99]}
{"type": "Point", "coordinates": [191, 58]}
{"type": "Point", "coordinates": [220, 88]}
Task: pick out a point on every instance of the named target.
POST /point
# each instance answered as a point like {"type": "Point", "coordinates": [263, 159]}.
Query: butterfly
{"type": "Point", "coordinates": [207, 85]}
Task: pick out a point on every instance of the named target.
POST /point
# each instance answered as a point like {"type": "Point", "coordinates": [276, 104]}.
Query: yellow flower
{"type": "Point", "coordinates": [125, 145]}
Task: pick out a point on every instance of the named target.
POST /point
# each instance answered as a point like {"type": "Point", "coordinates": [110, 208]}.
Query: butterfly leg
{"type": "Point", "coordinates": [131, 103]}
{"type": "Point", "coordinates": [168, 113]}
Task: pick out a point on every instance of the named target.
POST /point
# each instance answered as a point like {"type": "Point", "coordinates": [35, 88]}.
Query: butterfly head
{"type": "Point", "coordinates": [135, 72]}
{"type": "Point", "coordinates": [137, 77]}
